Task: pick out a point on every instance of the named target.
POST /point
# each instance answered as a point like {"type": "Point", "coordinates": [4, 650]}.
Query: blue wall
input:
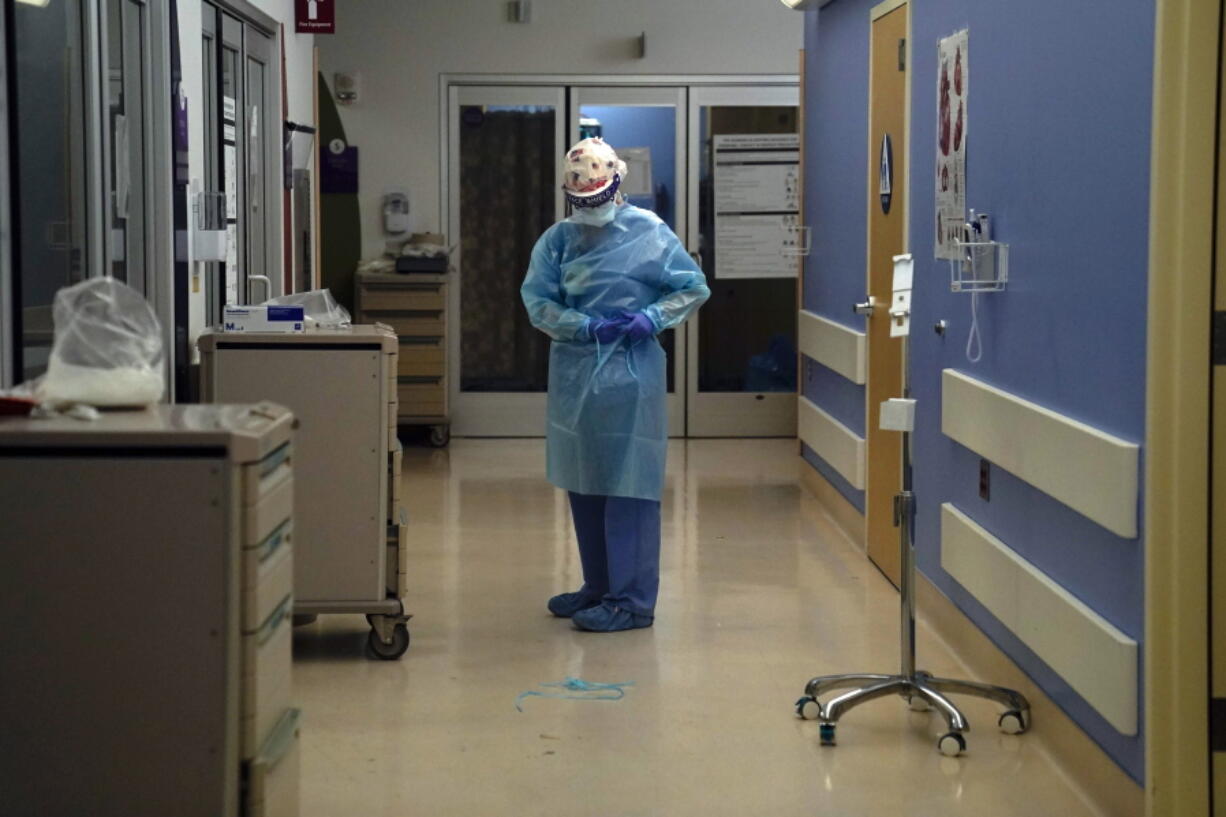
{"type": "Point", "coordinates": [649, 127]}
{"type": "Point", "coordinates": [836, 184]}
{"type": "Point", "coordinates": [1058, 152]}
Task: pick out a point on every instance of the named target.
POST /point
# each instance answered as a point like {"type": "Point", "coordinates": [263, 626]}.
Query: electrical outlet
{"type": "Point", "coordinates": [985, 480]}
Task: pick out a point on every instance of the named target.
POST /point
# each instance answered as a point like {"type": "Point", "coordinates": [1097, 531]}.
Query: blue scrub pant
{"type": "Point", "coordinates": [619, 546]}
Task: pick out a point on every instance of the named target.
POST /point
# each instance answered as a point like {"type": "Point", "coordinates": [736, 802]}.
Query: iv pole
{"type": "Point", "coordinates": [919, 689]}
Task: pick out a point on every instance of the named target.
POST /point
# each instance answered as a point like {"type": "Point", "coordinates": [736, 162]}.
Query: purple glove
{"type": "Point", "coordinates": [640, 327]}
{"type": "Point", "coordinates": [608, 330]}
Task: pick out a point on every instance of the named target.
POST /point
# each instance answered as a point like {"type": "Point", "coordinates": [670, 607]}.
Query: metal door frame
{"type": "Point", "coordinates": [722, 414]}
{"type": "Point", "coordinates": [158, 182]}
{"type": "Point", "coordinates": [524, 414]}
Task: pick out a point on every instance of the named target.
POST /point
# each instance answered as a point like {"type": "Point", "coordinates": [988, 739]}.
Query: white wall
{"type": "Point", "coordinates": [400, 47]}
{"type": "Point", "coordinates": [299, 50]}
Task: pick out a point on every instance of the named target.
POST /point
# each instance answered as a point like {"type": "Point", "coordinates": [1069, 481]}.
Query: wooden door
{"type": "Point", "coordinates": [887, 214]}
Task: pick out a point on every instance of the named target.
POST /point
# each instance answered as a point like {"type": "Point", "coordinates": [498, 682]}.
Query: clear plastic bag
{"type": "Point", "coordinates": [107, 349]}
{"type": "Point", "coordinates": [320, 308]}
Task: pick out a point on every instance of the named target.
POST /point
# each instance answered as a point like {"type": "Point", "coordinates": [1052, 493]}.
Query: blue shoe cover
{"type": "Point", "coordinates": [609, 618]}
{"type": "Point", "coordinates": [566, 605]}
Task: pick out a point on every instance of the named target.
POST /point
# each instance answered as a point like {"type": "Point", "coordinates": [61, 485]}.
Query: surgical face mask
{"type": "Point", "coordinates": [595, 216]}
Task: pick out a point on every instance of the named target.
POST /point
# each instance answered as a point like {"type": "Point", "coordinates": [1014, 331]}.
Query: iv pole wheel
{"type": "Point", "coordinates": [951, 744]}
{"type": "Point", "coordinates": [1012, 722]}
{"type": "Point", "coordinates": [826, 733]}
{"type": "Point", "coordinates": [918, 703]}
{"type": "Point", "coordinates": [808, 709]}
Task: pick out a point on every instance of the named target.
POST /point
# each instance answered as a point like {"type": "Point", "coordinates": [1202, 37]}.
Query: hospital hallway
{"type": "Point", "coordinates": [759, 592]}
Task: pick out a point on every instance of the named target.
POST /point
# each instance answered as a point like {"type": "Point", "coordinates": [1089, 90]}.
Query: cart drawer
{"type": "Point", "coordinates": [266, 676]}
{"type": "Point", "coordinates": [423, 412]}
{"type": "Point", "coordinates": [261, 477]}
{"type": "Point", "coordinates": [417, 390]}
{"type": "Point", "coordinates": [425, 365]}
{"type": "Point", "coordinates": [406, 297]}
{"type": "Point", "coordinates": [273, 508]}
{"type": "Point", "coordinates": [268, 578]}
{"type": "Point", "coordinates": [414, 324]}
{"type": "Point", "coordinates": [273, 774]}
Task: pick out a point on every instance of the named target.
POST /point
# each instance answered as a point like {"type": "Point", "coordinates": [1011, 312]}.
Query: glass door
{"type": "Point", "coordinates": [51, 177]}
{"type": "Point", "coordinates": [233, 119]}
{"type": "Point", "coordinates": [647, 128]}
{"type": "Point", "coordinates": [261, 171]}
{"type": "Point", "coordinates": [124, 138]}
{"type": "Point", "coordinates": [504, 149]}
{"type": "Point", "coordinates": [242, 164]}
{"type": "Point", "coordinates": [744, 194]}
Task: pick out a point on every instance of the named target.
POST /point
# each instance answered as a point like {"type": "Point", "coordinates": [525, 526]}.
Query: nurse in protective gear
{"type": "Point", "coordinates": [603, 284]}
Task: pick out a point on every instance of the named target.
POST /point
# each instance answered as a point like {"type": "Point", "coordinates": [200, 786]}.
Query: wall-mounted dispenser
{"type": "Point", "coordinates": [347, 85]}
{"type": "Point", "coordinates": [396, 211]}
{"type": "Point", "coordinates": [982, 266]}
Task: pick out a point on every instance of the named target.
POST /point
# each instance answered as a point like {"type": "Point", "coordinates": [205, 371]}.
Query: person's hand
{"type": "Point", "coordinates": [639, 327]}
{"type": "Point", "coordinates": [608, 330]}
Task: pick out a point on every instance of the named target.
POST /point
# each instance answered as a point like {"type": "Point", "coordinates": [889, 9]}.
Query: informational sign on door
{"type": "Point", "coordinates": [953, 83]}
{"type": "Point", "coordinates": [757, 205]}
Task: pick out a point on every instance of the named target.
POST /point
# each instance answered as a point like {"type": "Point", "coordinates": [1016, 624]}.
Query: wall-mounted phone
{"type": "Point", "coordinates": [396, 212]}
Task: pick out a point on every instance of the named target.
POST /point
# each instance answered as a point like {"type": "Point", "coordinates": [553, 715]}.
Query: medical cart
{"type": "Point", "coordinates": [340, 384]}
{"type": "Point", "coordinates": [415, 306]}
{"type": "Point", "coordinates": [146, 577]}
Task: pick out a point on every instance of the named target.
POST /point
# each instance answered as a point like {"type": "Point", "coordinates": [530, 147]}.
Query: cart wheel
{"type": "Point", "coordinates": [389, 652]}
{"type": "Point", "coordinates": [825, 733]}
{"type": "Point", "coordinates": [1012, 722]}
{"type": "Point", "coordinates": [440, 436]}
{"type": "Point", "coordinates": [951, 744]}
{"type": "Point", "coordinates": [807, 708]}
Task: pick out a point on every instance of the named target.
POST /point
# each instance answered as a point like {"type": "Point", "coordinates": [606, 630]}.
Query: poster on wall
{"type": "Point", "coordinates": [953, 82]}
{"type": "Point", "coordinates": [757, 205]}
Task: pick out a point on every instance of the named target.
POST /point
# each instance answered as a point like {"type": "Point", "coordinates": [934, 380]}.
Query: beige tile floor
{"type": "Point", "coordinates": [759, 593]}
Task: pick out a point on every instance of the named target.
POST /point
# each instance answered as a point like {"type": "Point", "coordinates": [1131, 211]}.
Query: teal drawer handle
{"type": "Point", "coordinates": [274, 620]}
{"type": "Point", "coordinates": [273, 541]}
{"type": "Point", "coordinates": [274, 460]}
{"type": "Point", "coordinates": [279, 741]}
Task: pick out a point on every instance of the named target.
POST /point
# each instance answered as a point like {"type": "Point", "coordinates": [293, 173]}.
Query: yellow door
{"type": "Point", "coordinates": [886, 221]}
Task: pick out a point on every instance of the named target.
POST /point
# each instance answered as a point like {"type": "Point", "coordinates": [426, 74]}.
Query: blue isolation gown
{"type": "Point", "coordinates": [608, 425]}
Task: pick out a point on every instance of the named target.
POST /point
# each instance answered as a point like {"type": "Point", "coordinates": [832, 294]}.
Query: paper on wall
{"type": "Point", "coordinates": [757, 205]}
{"type": "Point", "coordinates": [953, 84]}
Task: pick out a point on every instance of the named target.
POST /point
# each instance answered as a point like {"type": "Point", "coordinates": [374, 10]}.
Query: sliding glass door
{"type": "Point", "coordinates": [647, 127]}
{"type": "Point", "coordinates": [504, 191]}
{"type": "Point", "coordinates": [87, 178]}
{"type": "Point", "coordinates": [744, 189]}
{"type": "Point", "coordinates": [718, 164]}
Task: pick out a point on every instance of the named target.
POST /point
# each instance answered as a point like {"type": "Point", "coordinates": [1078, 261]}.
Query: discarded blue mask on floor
{"type": "Point", "coordinates": [576, 689]}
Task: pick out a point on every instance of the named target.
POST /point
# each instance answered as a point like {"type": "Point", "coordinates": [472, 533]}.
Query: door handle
{"type": "Point", "coordinates": [866, 308]}
{"type": "Point", "coordinates": [251, 279]}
